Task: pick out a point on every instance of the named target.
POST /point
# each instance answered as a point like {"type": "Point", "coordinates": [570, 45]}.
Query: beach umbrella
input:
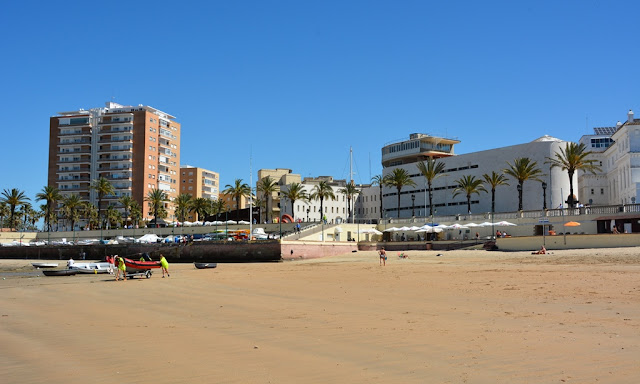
{"type": "Point", "coordinates": [571, 224]}
{"type": "Point", "coordinates": [392, 229]}
{"type": "Point", "coordinates": [486, 224]}
{"type": "Point", "coordinates": [243, 222]}
{"type": "Point", "coordinates": [231, 222]}
{"type": "Point", "coordinates": [457, 226]}
{"type": "Point", "coordinates": [472, 225]}
{"type": "Point", "coordinates": [413, 228]}
{"type": "Point", "coordinates": [504, 224]}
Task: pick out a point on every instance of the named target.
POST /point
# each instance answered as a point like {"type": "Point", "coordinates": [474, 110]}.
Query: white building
{"type": "Point", "coordinates": [309, 210]}
{"type": "Point", "coordinates": [618, 150]}
{"type": "Point", "coordinates": [414, 199]}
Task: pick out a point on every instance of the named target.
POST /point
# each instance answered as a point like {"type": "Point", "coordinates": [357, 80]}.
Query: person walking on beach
{"type": "Point", "coordinates": [383, 257]}
{"type": "Point", "coordinates": [165, 265]}
{"type": "Point", "coordinates": [121, 268]}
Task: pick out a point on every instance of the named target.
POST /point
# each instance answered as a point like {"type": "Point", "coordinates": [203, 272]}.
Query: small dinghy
{"type": "Point", "coordinates": [60, 272]}
{"type": "Point", "coordinates": [205, 265]}
{"type": "Point", "coordinates": [44, 265]}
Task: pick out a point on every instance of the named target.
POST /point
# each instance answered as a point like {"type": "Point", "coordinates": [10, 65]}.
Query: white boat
{"type": "Point", "coordinates": [102, 267]}
{"type": "Point", "coordinates": [44, 265]}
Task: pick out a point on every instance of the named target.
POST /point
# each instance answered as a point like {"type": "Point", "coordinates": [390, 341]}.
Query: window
{"type": "Point", "coordinates": [602, 191]}
{"type": "Point", "coordinates": [592, 191]}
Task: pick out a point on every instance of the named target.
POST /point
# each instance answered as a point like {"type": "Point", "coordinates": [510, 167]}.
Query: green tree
{"type": "Point", "coordinates": [114, 218]}
{"type": "Point", "coordinates": [431, 170]}
{"type": "Point", "coordinates": [183, 205]}
{"type": "Point", "coordinates": [72, 205]}
{"type": "Point", "coordinates": [218, 206]}
{"type": "Point", "coordinates": [494, 180]}
{"type": "Point", "coordinates": [51, 195]}
{"type": "Point", "coordinates": [398, 179]}
{"type": "Point", "coordinates": [200, 206]}
{"type": "Point", "coordinates": [4, 212]}
{"type": "Point", "coordinates": [322, 191]}
{"type": "Point", "coordinates": [268, 186]}
{"type": "Point", "coordinates": [522, 169]}
{"type": "Point", "coordinates": [350, 191]}
{"type": "Point", "coordinates": [103, 188]}
{"type": "Point", "coordinates": [90, 212]}
{"type": "Point", "coordinates": [294, 193]}
{"type": "Point", "coordinates": [126, 201]}
{"type": "Point", "coordinates": [572, 158]}
{"type": "Point", "coordinates": [379, 180]}
{"type": "Point", "coordinates": [468, 185]}
{"type": "Point", "coordinates": [237, 191]}
{"type": "Point", "coordinates": [136, 213]}
{"type": "Point", "coordinates": [156, 199]}
{"type": "Point", "coordinates": [13, 198]}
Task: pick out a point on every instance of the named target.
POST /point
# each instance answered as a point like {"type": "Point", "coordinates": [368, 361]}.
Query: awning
{"type": "Point", "coordinates": [618, 217]}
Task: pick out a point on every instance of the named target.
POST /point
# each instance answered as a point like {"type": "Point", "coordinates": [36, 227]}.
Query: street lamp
{"type": "Point", "coordinates": [519, 197]}
{"type": "Point", "coordinates": [413, 205]}
{"type": "Point", "coordinates": [544, 195]}
{"type": "Point", "coordinates": [308, 210]}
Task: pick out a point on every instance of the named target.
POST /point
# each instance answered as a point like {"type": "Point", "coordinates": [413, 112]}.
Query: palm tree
{"type": "Point", "coordinates": [4, 212]}
{"type": "Point", "coordinates": [156, 199]}
{"type": "Point", "coordinates": [183, 205]}
{"type": "Point", "coordinates": [572, 158]}
{"type": "Point", "coordinates": [431, 170]}
{"type": "Point", "coordinates": [113, 216]}
{"type": "Point", "coordinates": [494, 180]}
{"type": "Point", "coordinates": [379, 180]}
{"type": "Point", "coordinates": [295, 192]}
{"type": "Point", "coordinates": [103, 188]}
{"type": "Point", "coordinates": [90, 212]}
{"type": "Point", "coordinates": [522, 169]}
{"type": "Point", "coordinates": [136, 213]}
{"type": "Point", "coordinates": [126, 202]}
{"type": "Point", "coordinates": [13, 198]}
{"type": "Point", "coordinates": [50, 195]}
{"type": "Point", "coordinates": [267, 186]}
{"type": "Point", "coordinates": [200, 206]}
{"type": "Point", "coordinates": [350, 191]}
{"type": "Point", "coordinates": [26, 212]}
{"type": "Point", "coordinates": [322, 191]}
{"type": "Point", "coordinates": [218, 206]}
{"type": "Point", "coordinates": [237, 191]}
{"type": "Point", "coordinates": [468, 185]}
{"type": "Point", "coordinates": [72, 205]}
{"type": "Point", "coordinates": [398, 179]}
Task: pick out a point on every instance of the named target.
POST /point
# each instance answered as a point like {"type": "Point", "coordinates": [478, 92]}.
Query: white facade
{"type": "Point", "coordinates": [476, 164]}
{"type": "Point", "coordinates": [619, 181]}
{"type": "Point", "coordinates": [335, 210]}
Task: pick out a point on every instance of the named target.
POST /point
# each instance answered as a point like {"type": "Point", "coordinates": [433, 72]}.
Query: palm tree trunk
{"type": "Point", "coordinates": [572, 203]}
{"type": "Point", "coordinates": [493, 200]}
{"type": "Point", "coordinates": [520, 197]}
{"type": "Point", "coordinates": [321, 211]}
{"type": "Point", "coordinates": [430, 201]}
{"type": "Point", "coordinates": [398, 203]}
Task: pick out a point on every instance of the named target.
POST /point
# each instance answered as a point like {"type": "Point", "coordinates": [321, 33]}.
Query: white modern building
{"type": "Point", "coordinates": [414, 199]}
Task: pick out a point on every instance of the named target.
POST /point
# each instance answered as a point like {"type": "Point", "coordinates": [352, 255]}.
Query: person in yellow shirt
{"type": "Point", "coordinates": [165, 265]}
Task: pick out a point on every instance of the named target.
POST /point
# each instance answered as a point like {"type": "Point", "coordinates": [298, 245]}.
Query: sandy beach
{"type": "Point", "coordinates": [463, 317]}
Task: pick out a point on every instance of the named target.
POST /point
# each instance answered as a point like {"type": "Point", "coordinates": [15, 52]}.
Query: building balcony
{"type": "Point", "coordinates": [75, 133]}
{"type": "Point", "coordinates": [62, 152]}
{"type": "Point", "coordinates": [114, 121]}
{"type": "Point", "coordinates": [110, 131]}
{"type": "Point", "coordinates": [115, 150]}
{"type": "Point", "coordinates": [75, 142]}
{"type": "Point", "coordinates": [115, 140]}
{"type": "Point", "coordinates": [65, 187]}
{"type": "Point", "coordinates": [117, 177]}
{"type": "Point", "coordinates": [85, 160]}
{"type": "Point", "coordinates": [70, 179]}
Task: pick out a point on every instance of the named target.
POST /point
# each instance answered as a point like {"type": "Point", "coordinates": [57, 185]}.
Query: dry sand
{"type": "Point", "coordinates": [463, 317]}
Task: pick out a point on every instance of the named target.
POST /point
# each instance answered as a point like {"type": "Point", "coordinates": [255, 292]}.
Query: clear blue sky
{"type": "Point", "coordinates": [294, 84]}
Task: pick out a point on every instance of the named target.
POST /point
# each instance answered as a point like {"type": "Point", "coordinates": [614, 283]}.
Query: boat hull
{"type": "Point", "coordinates": [205, 265]}
{"type": "Point", "coordinates": [44, 265]}
{"type": "Point", "coordinates": [60, 272]}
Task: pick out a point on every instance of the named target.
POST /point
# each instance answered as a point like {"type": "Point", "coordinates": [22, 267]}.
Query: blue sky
{"type": "Point", "coordinates": [295, 84]}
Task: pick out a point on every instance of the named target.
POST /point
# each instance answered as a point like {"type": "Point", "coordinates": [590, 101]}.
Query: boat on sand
{"type": "Point", "coordinates": [205, 265]}
{"type": "Point", "coordinates": [60, 272]}
{"type": "Point", "coordinates": [44, 265]}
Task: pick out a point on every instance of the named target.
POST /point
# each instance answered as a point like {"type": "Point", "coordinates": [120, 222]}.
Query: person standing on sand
{"type": "Point", "coordinates": [383, 256]}
{"type": "Point", "coordinates": [165, 265]}
{"type": "Point", "coordinates": [121, 268]}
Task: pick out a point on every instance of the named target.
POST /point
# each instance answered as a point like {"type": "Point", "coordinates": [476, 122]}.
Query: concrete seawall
{"type": "Point", "coordinates": [216, 252]}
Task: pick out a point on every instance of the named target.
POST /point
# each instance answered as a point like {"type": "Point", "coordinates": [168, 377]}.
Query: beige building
{"type": "Point", "coordinates": [282, 176]}
{"type": "Point", "coordinates": [230, 202]}
{"type": "Point", "coordinates": [136, 148]}
{"type": "Point", "coordinates": [199, 182]}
